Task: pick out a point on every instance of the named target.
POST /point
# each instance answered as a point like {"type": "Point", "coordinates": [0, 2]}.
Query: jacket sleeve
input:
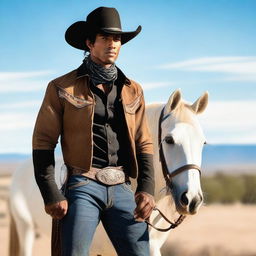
{"type": "Point", "coordinates": [47, 129]}
{"type": "Point", "coordinates": [144, 151]}
{"type": "Point", "coordinates": [43, 161]}
{"type": "Point", "coordinates": [48, 124]}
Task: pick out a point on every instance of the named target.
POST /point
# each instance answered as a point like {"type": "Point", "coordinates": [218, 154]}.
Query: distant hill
{"type": "Point", "coordinates": [16, 157]}
{"type": "Point", "coordinates": [227, 158]}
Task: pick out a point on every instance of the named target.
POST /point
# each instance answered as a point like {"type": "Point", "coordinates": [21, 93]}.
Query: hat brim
{"type": "Point", "coordinates": [78, 32]}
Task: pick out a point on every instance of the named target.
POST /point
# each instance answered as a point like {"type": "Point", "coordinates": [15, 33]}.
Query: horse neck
{"type": "Point", "coordinates": [153, 113]}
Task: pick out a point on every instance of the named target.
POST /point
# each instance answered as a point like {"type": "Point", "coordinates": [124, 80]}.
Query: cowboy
{"type": "Point", "coordinates": [99, 115]}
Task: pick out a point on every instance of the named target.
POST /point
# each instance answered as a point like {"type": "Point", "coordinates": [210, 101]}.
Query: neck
{"type": "Point", "coordinates": [100, 74]}
{"type": "Point", "coordinates": [153, 113]}
{"type": "Point", "coordinates": [99, 62]}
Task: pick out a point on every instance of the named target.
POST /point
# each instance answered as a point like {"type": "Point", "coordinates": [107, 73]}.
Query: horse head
{"type": "Point", "coordinates": [182, 140]}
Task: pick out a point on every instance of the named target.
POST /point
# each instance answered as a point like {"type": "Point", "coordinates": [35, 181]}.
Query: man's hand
{"type": "Point", "coordinates": [57, 210]}
{"type": "Point", "coordinates": [145, 204]}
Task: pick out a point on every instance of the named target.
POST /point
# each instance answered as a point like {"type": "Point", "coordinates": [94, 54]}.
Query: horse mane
{"type": "Point", "coordinates": [184, 113]}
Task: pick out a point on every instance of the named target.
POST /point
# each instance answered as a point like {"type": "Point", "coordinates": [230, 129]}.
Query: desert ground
{"type": "Point", "coordinates": [216, 230]}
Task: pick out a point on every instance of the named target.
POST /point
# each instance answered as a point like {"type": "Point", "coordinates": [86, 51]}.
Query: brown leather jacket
{"type": "Point", "coordinates": [68, 110]}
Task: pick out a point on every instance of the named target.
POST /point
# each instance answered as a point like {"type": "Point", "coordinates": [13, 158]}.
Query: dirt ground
{"type": "Point", "coordinates": [216, 230]}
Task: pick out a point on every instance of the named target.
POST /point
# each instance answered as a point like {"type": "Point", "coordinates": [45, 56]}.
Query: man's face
{"type": "Point", "coordinates": [105, 49]}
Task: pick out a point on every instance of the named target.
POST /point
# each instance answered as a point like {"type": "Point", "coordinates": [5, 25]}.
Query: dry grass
{"type": "Point", "coordinates": [169, 250]}
{"type": "Point", "coordinates": [216, 230]}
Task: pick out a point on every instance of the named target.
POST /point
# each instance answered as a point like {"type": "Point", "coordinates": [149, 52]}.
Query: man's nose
{"type": "Point", "coordinates": [111, 42]}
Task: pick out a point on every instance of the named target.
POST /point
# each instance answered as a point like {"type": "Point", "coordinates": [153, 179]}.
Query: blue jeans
{"type": "Point", "coordinates": [91, 202]}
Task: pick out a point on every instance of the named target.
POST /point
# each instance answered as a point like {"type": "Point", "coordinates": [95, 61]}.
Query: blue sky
{"type": "Point", "coordinates": [192, 45]}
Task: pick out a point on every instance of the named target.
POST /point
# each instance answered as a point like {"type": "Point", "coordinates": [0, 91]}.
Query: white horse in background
{"type": "Point", "coordinates": [182, 140]}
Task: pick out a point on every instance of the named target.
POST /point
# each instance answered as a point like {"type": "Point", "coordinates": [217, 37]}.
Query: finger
{"type": "Point", "coordinates": [141, 202]}
{"type": "Point", "coordinates": [47, 210]}
{"type": "Point", "coordinates": [140, 207]}
{"type": "Point", "coordinates": [60, 214]}
{"type": "Point", "coordinates": [139, 212]}
{"type": "Point", "coordinates": [58, 217]}
{"type": "Point", "coordinates": [145, 212]}
{"type": "Point", "coordinates": [63, 207]}
{"type": "Point", "coordinates": [51, 212]}
{"type": "Point", "coordinates": [141, 197]}
{"type": "Point", "coordinates": [138, 219]}
{"type": "Point", "coordinates": [59, 211]}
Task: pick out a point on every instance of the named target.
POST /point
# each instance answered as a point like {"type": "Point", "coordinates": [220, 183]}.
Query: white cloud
{"type": "Point", "coordinates": [7, 76]}
{"type": "Point", "coordinates": [20, 105]}
{"type": "Point", "coordinates": [230, 122]}
{"type": "Point", "coordinates": [232, 67]}
{"type": "Point", "coordinates": [223, 122]}
{"type": "Point", "coordinates": [22, 86]}
{"type": "Point", "coordinates": [153, 85]}
{"type": "Point", "coordinates": [241, 68]}
{"type": "Point", "coordinates": [242, 78]}
{"type": "Point", "coordinates": [16, 121]}
{"type": "Point", "coordinates": [16, 131]}
{"type": "Point", "coordinates": [18, 141]}
{"type": "Point", "coordinates": [206, 61]}
{"type": "Point", "coordinates": [11, 82]}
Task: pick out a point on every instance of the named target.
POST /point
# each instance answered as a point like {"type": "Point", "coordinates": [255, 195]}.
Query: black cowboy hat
{"type": "Point", "coordinates": [102, 19]}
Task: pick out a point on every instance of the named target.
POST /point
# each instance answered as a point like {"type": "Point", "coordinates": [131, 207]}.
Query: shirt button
{"type": "Point", "coordinates": [109, 142]}
{"type": "Point", "coordinates": [107, 125]}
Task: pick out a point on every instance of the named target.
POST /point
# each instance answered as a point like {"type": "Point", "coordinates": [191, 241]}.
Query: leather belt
{"type": "Point", "coordinates": [110, 175]}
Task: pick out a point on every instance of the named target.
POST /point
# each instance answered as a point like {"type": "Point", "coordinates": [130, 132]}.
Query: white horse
{"type": "Point", "coordinates": [182, 141]}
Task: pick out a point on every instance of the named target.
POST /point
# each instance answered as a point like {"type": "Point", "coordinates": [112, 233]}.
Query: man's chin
{"type": "Point", "coordinates": [110, 61]}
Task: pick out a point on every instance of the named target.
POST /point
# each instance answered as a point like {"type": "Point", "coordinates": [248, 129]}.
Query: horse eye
{"type": "Point", "coordinates": [169, 140]}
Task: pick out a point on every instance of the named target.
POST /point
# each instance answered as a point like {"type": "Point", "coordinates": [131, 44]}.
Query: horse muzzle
{"type": "Point", "coordinates": [188, 204]}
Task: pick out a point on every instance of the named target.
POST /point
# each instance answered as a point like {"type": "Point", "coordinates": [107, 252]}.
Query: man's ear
{"type": "Point", "coordinates": [88, 43]}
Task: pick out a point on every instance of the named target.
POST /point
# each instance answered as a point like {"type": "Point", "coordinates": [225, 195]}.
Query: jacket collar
{"type": "Point", "coordinates": [121, 78]}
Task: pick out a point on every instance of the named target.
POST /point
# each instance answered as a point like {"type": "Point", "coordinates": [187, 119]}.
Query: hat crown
{"type": "Point", "coordinates": [104, 17]}
{"type": "Point", "coordinates": [100, 20]}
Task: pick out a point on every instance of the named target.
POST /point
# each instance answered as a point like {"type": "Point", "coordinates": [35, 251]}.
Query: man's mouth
{"type": "Point", "coordinates": [112, 54]}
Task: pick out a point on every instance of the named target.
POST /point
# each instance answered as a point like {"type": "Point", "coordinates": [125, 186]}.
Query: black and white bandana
{"type": "Point", "coordinates": [100, 74]}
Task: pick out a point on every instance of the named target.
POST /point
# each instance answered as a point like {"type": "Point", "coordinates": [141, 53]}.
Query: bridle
{"type": "Point", "coordinates": [168, 176]}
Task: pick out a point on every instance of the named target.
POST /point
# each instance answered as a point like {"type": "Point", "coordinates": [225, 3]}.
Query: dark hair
{"type": "Point", "coordinates": [92, 37]}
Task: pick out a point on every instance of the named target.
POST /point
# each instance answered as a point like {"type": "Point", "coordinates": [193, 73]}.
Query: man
{"type": "Point", "coordinates": [100, 115]}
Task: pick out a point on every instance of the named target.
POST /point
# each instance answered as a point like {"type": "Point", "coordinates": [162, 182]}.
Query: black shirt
{"type": "Point", "coordinates": [109, 131]}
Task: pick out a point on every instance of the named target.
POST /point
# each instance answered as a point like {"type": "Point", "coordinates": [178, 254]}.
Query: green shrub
{"type": "Point", "coordinates": [212, 190]}
{"type": "Point", "coordinates": [249, 196]}
{"type": "Point", "coordinates": [224, 188]}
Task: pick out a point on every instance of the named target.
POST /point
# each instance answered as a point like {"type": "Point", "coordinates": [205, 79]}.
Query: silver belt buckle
{"type": "Point", "coordinates": [110, 176]}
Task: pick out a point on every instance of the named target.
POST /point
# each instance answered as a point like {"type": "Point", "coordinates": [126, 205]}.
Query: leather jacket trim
{"type": "Point", "coordinates": [77, 102]}
{"type": "Point", "coordinates": [132, 107]}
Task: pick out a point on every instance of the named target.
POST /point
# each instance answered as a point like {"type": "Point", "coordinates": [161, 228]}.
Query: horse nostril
{"type": "Point", "coordinates": [184, 198]}
{"type": "Point", "coordinates": [201, 198]}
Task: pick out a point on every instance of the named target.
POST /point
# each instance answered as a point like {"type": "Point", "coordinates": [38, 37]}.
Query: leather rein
{"type": "Point", "coordinates": [168, 176]}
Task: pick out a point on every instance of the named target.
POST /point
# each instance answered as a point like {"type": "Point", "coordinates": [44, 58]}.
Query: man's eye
{"type": "Point", "coordinates": [117, 38]}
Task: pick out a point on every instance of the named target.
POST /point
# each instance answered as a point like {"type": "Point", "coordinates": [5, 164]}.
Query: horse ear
{"type": "Point", "coordinates": [173, 101]}
{"type": "Point", "coordinates": [201, 103]}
